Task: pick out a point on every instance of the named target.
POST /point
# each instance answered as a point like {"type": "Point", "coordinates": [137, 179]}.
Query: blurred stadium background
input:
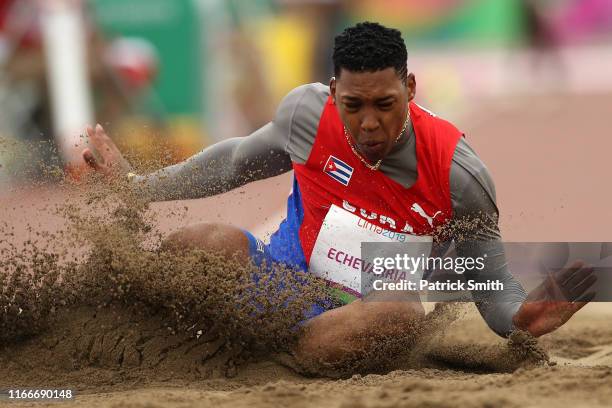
{"type": "Point", "coordinates": [527, 80]}
{"type": "Point", "coordinates": [187, 73]}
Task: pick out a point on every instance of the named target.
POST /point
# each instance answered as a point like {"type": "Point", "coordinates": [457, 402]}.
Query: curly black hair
{"type": "Point", "coordinates": [369, 47]}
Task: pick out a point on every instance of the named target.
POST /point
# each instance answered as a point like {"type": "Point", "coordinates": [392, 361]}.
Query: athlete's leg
{"type": "Point", "coordinates": [339, 334]}
{"type": "Point", "coordinates": [330, 337]}
{"type": "Point", "coordinates": [221, 239]}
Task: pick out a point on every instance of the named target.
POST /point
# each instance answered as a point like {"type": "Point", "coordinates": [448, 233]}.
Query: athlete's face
{"type": "Point", "coordinates": [373, 107]}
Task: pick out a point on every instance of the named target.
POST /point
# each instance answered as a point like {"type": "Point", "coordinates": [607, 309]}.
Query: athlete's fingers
{"type": "Point", "coordinates": [586, 298]}
{"type": "Point", "coordinates": [109, 151]}
{"type": "Point", "coordinates": [89, 130]}
{"type": "Point", "coordinates": [90, 159]}
{"type": "Point", "coordinates": [579, 276]}
{"type": "Point", "coordinates": [103, 136]}
{"type": "Point", "coordinates": [583, 286]}
{"type": "Point", "coordinates": [95, 140]}
{"type": "Point", "coordinates": [566, 273]}
{"type": "Point", "coordinates": [581, 302]}
{"type": "Point", "coordinates": [87, 153]}
{"type": "Point", "coordinates": [101, 133]}
{"type": "Point", "coordinates": [574, 280]}
{"type": "Point", "coordinates": [105, 146]}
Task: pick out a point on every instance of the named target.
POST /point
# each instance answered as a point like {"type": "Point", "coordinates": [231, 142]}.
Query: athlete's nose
{"type": "Point", "coordinates": [369, 123]}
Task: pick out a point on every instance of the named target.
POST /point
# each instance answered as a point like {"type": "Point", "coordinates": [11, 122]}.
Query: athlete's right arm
{"type": "Point", "coordinates": [216, 169]}
{"type": "Point", "coordinates": [221, 167]}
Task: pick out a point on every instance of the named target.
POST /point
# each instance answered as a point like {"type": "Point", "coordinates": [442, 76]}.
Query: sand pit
{"type": "Point", "coordinates": [120, 353]}
{"type": "Point", "coordinates": [114, 358]}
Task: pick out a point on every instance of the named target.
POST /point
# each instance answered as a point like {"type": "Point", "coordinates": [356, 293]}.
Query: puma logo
{"type": "Point", "coordinates": [419, 210]}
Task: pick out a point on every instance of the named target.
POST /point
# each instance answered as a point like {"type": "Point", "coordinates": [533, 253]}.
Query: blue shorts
{"type": "Point", "coordinates": [264, 256]}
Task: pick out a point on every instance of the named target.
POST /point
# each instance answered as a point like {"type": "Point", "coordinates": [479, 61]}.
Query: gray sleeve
{"type": "Point", "coordinates": [476, 232]}
{"type": "Point", "coordinates": [308, 103]}
{"type": "Point", "coordinates": [229, 164]}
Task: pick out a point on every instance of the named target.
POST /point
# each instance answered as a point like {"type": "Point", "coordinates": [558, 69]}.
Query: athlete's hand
{"type": "Point", "coordinates": [551, 304]}
{"type": "Point", "coordinates": [109, 160]}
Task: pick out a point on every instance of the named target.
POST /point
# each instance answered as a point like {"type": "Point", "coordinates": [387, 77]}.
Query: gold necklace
{"type": "Point", "coordinates": [376, 166]}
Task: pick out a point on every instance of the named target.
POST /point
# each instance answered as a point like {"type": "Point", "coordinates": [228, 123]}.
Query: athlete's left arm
{"type": "Point", "coordinates": [549, 305]}
{"type": "Point", "coordinates": [476, 232]}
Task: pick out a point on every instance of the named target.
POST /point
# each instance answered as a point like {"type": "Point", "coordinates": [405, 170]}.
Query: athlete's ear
{"type": "Point", "coordinates": [332, 89]}
{"type": "Point", "coordinates": [411, 85]}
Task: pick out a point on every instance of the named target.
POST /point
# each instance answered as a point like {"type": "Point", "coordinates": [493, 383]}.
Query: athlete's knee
{"type": "Point", "coordinates": [339, 335]}
{"type": "Point", "coordinates": [199, 236]}
{"type": "Point", "coordinates": [216, 238]}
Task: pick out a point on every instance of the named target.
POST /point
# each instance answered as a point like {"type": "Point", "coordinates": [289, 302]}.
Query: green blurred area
{"type": "Point", "coordinates": [474, 23]}
{"type": "Point", "coordinates": [174, 28]}
{"type": "Point", "coordinates": [178, 31]}
{"type": "Point", "coordinates": [250, 53]}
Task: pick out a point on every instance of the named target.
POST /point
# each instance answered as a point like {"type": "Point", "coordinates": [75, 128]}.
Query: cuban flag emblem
{"type": "Point", "coordinates": [338, 170]}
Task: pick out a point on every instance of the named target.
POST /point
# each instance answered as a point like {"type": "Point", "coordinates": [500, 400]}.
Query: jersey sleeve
{"type": "Point", "coordinates": [306, 103]}
{"type": "Point", "coordinates": [477, 232]}
{"type": "Point", "coordinates": [231, 163]}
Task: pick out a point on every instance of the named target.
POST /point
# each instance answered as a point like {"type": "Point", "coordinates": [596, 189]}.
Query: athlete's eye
{"type": "Point", "coordinates": [385, 105]}
{"type": "Point", "coordinates": [352, 107]}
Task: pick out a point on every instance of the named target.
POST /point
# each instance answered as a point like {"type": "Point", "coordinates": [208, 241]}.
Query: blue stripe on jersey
{"type": "Point", "coordinates": [342, 164]}
{"type": "Point", "coordinates": [344, 173]}
{"type": "Point", "coordinates": [285, 243]}
{"type": "Point", "coordinates": [344, 181]}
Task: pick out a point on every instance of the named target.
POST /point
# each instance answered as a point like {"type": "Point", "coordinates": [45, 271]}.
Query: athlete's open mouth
{"type": "Point", "coordinates": [371, 149]}
{"type": "Point", "coordinates": [371, 143]}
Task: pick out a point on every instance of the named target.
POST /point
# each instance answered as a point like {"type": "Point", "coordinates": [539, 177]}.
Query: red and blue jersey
{"type": "Point", "coordinates": [333, 176]}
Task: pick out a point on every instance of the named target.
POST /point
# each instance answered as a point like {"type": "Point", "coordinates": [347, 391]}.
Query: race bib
{"type": "Point", "coordinates": [336, 256]}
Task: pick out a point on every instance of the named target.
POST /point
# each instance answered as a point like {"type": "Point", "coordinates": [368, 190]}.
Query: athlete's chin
{"type": "Point", "coordinates": [373, 153]}
{"type": "Point", "coordinates": [373, 159]}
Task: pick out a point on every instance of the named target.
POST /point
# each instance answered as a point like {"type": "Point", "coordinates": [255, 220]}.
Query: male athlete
{"type": "Point", "coordinates": [361, 151]}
